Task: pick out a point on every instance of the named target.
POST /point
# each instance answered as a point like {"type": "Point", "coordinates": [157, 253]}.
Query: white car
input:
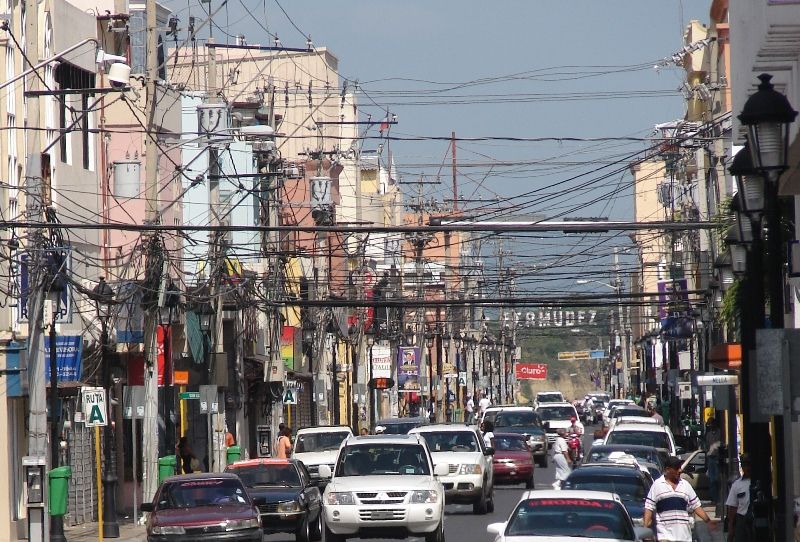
{"type": "Point", "coordinates": [556, 416]}
{"type": "Point", "coordinates": [316, 446]}
{"type": "Point", "coordinates": [384, 486]}
{"type": "Point", "coordinates": [568, 516]}
{"type": "Point", "coordinates": [470, 476]}
{"type": "Point", "coordinates": [645, 434]}
{"type": "Point", "coordinates": [543, 397]}
{"type": "Point", "coordinates": [612, 405]}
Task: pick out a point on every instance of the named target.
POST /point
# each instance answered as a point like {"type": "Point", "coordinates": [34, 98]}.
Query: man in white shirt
{"type": "Point", "coordinates": [469, 408]}
{"type": "Point", "coordinates": [484, 403]}
{"type": "Point", "coordinates": [671, 502]}
{"type": "Point", "coordinates": [740, 525]}
{"type": "Point", "coordinates": [561, 458]}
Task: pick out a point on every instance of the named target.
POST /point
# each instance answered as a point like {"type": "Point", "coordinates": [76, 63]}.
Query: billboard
{"type": "Point", "coordinates": [381, 361]}
{"type": "Point", "coordinates": [408, 369]}
{"type": "Point", "coordinates": [531, 371]}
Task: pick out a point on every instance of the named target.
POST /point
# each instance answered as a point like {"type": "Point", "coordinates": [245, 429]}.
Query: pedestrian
{"type": "Point", "coordinates": [364, 431]}
{"type": "Point", "coordinates": [713, 440]}
{"type": "Point", "coordinates": [671, 503]}
{"type": "Point", "coordinates": [653, 414]}
{"type": "Point", "coordinates": [432, 410]}
{"type": "Point", "coordinates": [469, 409]}
{"type": "Point", "coordinates": [188, 463]}
{"type": "Point", "coordinates": [281, 427]}
{"type": "Point", "coordinates": [487, 428]}
{"type": "Point", "coordinates": [740, 513]}
{"type": "Point", "coordinates": [230, 440]}
{"type": "Point", "coordinates": [284, 444]}
{"type": "Point", "coordinates": [561, 458]}
{"type": "Point", "coordinates": [483, 404]}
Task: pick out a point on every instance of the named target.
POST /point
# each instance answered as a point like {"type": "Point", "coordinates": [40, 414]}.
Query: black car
{"type": "Point", "coordinates": [524, 422]}
{"type": "Point", "coordinates": [399, 426]}
{"type": "Point", "coordinates": [627, 481]}
{"type": "Point", "coordinates": [287, 499]}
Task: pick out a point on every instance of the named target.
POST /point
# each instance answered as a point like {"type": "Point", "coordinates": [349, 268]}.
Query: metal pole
{"type": "Point", "coordinates": [56, 522]}
{"type": "Point", "coordinates": [110, 525]}
{"type": "Point", "coordinates": [373, 408]}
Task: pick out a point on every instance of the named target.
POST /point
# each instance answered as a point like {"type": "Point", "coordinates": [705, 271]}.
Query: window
{"type": "Point", "coordinates": [85, 129]}
{"type": "Point", "coordinates": [451, 441]}
{"type": "Point", "coordinates": [378, 459]}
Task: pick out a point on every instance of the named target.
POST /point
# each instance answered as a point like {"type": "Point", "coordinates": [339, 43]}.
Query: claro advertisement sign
{"type": "Point", "coordinates": [531, 371]}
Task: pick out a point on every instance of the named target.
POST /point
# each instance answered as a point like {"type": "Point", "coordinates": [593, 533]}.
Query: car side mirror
{"type": "Point", "coordinates": [488, 451]}
{"type": "Point", "coordinates": [442, 469]}
{"type": "Point", "coordinates": [258, 501]}
{"type": "Point", "coordinates": [679, 450]}
{"type": "Point", "coordinates": [146, 507]}
{"type": "Point", "coordinates": [496, 528]}
{"type": "Point", "coordinates": [688, 469]}
{"type": "Point", "coordinates": [643, 533]}
{"type": "Point", "coordinates": [324, 471]}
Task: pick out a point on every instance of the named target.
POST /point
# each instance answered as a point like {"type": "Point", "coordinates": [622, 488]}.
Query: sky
{"type": "Point", "coordinates": [558, 70]}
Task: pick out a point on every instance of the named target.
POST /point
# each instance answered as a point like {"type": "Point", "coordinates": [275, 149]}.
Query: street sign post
{"type": "Point", "coordinates": [192, 395]}
{"type": "Point", "coordinates": [94, 407]}
{"type": "Point", "coordinates": [717, 380]}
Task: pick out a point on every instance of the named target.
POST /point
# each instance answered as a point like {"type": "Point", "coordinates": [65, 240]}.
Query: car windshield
{"type": "Point", "coordinates": [510, 443]}
{"type": "Point", "coordinates": [268, 475]}
{"type": "Point", "coordinates": [451, 441]}
{"type": "Point", "coordinates": [491, 415]}
{"type": "Point", "coordinates": [629, 488]}
{"type": "Point", "coordinates": [655, 439]}
{"type": "Point", "coordinates": [513, 418]}
{"type": "Point", "coordinates": [401, 428]}
{"type": "Point", "coordinates": [586, 518]}
{"type": "Point", "coordinates": [549, 398]}
{"type": "Point", "coordinates": [384, 458]}
{"type": "Point", "coordinates": [600, 397]}
{"type": "Point", "coordinates": [628, 411]}
{"type": "Point", "coordinates": [556, 413]}
{"type": "Point", "coordinates": [319, 442]}
{"type": "Point", "coordinates": [207, 492]}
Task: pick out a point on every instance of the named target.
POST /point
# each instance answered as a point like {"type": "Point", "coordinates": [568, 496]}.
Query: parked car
{"type": "Point", "coordinates": [214, 507]}
{"type": "Point", "coordinates": [315, 446]}
{"type": "Point", "coordinates": [568, 516]}
{"type": "Point", "coordinates": [695, 471]}
{"type": "Point", "coordinates": [470, 477]}
{"type": "Point", "coordinates": [288, 500]}
{"type": "Point", "coordinates": [398, 426]}
{"type": "Point", "coordinates": [524, 421]}
{"type": "Point", "coordinates": [625, 480]}
{"type": "Point", "coordinates": [513, 460]}
{"type": "Point", "coordinates": [384, 486]}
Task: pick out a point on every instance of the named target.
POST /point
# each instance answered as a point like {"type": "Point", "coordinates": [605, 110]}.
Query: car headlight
{"type": "Point", "coordinates": [471, 469]}
{"type": "Point", "coordinates": [424, 496]}
{"type": "Point", "coordinates": [340, 498]}
{"type": "Point", "coordinates": [287, 507]}
{"type": "Point", "coordinates": [238, 524]}
{"type": "Point", "coordinates": [168, 529]}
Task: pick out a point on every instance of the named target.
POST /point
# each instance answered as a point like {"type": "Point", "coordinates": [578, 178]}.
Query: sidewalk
{"type": "Point", "coordinates": [702, 532]}
{"type": "Point", "coordinates": [128, 532]}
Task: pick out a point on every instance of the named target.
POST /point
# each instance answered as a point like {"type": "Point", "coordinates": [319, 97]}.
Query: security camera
{"type": "Point", "coordinates": [119, 75]}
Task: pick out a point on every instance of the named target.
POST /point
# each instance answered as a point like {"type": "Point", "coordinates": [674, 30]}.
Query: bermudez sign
{"type": "Point", "coordinates": [531, 371]}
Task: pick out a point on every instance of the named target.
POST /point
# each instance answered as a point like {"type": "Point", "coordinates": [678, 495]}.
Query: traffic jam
{"type": "Point", "coordinates": [596, 468]}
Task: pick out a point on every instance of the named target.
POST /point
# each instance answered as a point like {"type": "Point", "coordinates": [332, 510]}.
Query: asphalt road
{"type": "Point", "coordinates": [461, 525]}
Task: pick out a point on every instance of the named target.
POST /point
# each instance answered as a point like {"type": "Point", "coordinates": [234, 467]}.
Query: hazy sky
{"type": "Point", "coordinates": [515, 68]}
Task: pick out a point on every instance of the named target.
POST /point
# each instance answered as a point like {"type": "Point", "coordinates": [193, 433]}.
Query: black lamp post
{"type": "Point", "coordinates": [473, 346]}
{"type": "Point", "coordinates": [429, 339]}
{"type": "Point", "coordinates": [103, 298]}
{"type": "Point", "coordinates": [767, 115]}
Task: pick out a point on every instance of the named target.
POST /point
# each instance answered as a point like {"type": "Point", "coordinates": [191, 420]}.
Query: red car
{"type": "Point", "coordinates": [213, 507]}
{"type": "Point", "coordinates": [513, 460]}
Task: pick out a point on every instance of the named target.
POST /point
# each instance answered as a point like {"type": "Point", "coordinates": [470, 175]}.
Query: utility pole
{"type": "Point", "coordinates": [37, 417]}
{"type": "Point", "coordinates": [149, 423]}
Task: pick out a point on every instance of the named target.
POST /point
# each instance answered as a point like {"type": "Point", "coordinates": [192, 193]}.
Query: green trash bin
{"type": "Point", "coordinates": [166, 467]}
{"type": "Point", "coordinates": [234, 453]}
{"type": "Point", "coordinates": [59, 490]}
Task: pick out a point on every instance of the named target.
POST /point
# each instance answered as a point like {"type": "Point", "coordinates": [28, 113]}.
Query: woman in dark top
{"type": "Point", "coordinates": [185, 456]}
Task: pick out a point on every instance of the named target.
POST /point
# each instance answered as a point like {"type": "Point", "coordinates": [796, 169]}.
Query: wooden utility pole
{"type": "Point", "coordinates": [149, 423]}
{"type": "Point", "coordinates": [455, 169]}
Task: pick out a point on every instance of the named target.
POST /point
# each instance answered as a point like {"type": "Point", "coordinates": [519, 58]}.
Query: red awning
{"type": "Point", "coordinates": [726, 356]}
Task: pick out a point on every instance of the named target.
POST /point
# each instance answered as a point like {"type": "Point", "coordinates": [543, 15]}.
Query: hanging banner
{"type": "Point", "coordinates": [287, 347]}
{"type": "Point", "coordinates": [69, 350]}
{"type": "Point", "coordinates": [408, 369]}
{"type": "Point", "coordinates": [163, 341]}
{"type": "Point", "coordinates": [673, 298]}
{"type": "Point", "coordinates": [381, 361]}
{"type": "Point", "coordinates": [130, 319]}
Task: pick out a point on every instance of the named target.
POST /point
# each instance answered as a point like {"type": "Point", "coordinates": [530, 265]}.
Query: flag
{"type": "Point", "coordinates": [384, 124]}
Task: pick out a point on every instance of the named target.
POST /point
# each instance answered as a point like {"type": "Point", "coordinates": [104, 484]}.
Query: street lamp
{"type": "Point", "coordinates": [473, 346]}
{"type": "Point", "coordinates": [103, 299]}
{"type": "Point", "coordinates": [370, 339]}
{"type": "Point", "coordinates": [429, 339]}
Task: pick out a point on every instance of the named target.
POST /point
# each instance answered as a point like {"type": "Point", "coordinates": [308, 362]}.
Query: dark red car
{"type": "Point", "coordinates": [207, 507]}
{"type": "Point", "coordinates": [513, 460]}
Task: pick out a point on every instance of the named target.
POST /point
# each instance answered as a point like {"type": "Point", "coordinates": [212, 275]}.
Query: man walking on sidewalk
{"type": "Point", "coordinates": [740, 513]}
{"type": "Point", "coordinates": [671, 501]}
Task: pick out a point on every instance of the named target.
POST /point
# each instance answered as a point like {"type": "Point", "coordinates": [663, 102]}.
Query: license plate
{"type": "Point", "coordinates": [380, 514]}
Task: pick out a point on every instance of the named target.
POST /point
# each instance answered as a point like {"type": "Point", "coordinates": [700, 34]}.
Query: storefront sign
{"type": "Point", "coordinates": [555, 317]}
{"type": "Point", "coordinates": [531, 371]}
{"type": "Point", "coordinates": [381, 361]}
{"type": "Point", "coordinates": [69, 350]}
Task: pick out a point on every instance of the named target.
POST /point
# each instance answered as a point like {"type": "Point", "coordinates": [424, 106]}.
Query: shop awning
{"type": "Point", "coordinates": [726, 356]}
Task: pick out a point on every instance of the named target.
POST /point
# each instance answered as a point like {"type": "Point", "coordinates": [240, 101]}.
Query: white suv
{"type": "Point", "coordinates": [470, 477]}
{"type": "Point", "coordinates": [646, 434]}
{"type": "Point", "coordinates": [384, 486]}
{"type": "Point", "coordinates": [556, 416]}
{"type": "Point", "coordinates": [316, 446]}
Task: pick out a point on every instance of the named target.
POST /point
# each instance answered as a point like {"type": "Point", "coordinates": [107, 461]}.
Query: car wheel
{"type": "Point", "coordinates": [315, 533]}
{"type": "Point", "coordinates": [529, 483]}
{"type": "Point", "coordinates": [490, 502]}
{"type": "Point", "coordinates": [333, 537]}
{"type": "Point", "coordinates": [480, 506]}
{"type": "Point", "coordinates": [437, 535]}
{"type": "Point", "coordinates": [303, 533]}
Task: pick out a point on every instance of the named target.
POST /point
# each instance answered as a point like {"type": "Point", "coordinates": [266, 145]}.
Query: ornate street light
{"type": "Point", "coordinates": [749, 182]}
{"type": "Point", "coordinates": [767, 115]}
{"type": "Point", "coordinates": [103, 299]}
